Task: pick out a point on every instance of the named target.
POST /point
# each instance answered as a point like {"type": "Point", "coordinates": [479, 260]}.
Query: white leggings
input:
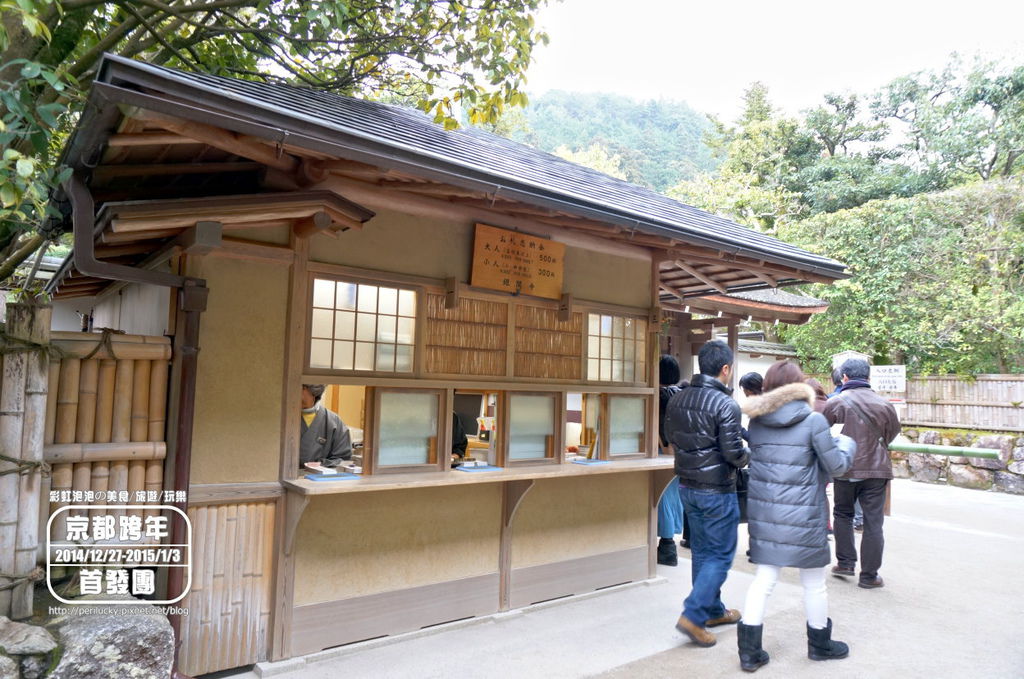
{"type": "Point", "coordinates": [815, 595]}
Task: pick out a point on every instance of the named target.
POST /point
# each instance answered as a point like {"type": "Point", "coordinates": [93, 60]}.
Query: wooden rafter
{"type": "Point", "coordinates": [765, 278]}
{"type": "Point", "coordinates": [671, 291]}
{"type": "Point", "coordinates": [147, 139]}
{"type": "Point", "coordinates": [163, 169]}
{"type": "Point", "coordinates": [700, 276]}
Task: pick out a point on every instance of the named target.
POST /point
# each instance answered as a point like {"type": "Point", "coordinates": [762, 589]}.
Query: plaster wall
{"type": "Point", "coordinates": [441, 248]}
{"type": "Point", "coordinates": [580, 516]}
{"type": "Point", "coordinates": [355, 544]}
{"type": "Point", "coordinates": [237, 431]}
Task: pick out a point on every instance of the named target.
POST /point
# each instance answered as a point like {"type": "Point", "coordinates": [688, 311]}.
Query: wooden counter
{"type": "Point", "coordinates": [377, 482]}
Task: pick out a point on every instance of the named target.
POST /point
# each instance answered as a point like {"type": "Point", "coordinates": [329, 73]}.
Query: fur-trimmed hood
{"type": "Point", "coordinates": [783, 406]}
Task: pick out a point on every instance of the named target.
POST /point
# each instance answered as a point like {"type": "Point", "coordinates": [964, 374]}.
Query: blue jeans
{"type": "Point", "coordinates": [670, 511]}
{"type": "Point", "coordinates": [713, 518]}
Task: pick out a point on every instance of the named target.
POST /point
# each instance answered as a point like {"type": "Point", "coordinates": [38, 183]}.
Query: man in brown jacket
{"type": "Point", "coordinates": [871, 421]}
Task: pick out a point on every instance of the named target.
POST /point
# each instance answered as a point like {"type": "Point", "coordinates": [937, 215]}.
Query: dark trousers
{"type": "Point", "coordinates": [713, 521]}
{"type": "Point", "coordinates": [871, 493]}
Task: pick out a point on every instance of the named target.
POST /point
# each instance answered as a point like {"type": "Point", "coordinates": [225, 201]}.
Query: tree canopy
{"type": "Point", "coordinates": [467, 53]}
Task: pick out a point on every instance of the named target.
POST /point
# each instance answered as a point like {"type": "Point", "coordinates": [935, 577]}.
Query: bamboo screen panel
{"type": "Point", "coordinates": [468, 340]}
{"type": "Point", "coordinates": [546, 347]}
{"type": "Point", "coordinates": [229, 602]}
{"type": "Point", "coordinates": [105, 420]}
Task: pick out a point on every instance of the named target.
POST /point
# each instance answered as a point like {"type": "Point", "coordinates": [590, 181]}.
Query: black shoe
{"type": "Point", "coordinates": [685, 544]}
{"type": "Point", "coordinates": [667, 552]}
{"type": "Point", "coordinates": [752, 656]}
{"type": "Point", "coordinates": [859, 527]}
{"type": "Point", "coordinates": [842, 571]}
{"type": "Point", "coordinates": [871, 583]}
{"type": "Point", "coordinates": [820, 645]}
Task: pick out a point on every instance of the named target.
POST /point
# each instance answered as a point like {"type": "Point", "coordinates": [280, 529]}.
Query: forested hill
{"type": "Point", "coordinates": [658, 143]}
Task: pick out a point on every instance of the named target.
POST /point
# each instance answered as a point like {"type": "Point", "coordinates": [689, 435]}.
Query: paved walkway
{"type": "Point", "coordinates": [953, 606]}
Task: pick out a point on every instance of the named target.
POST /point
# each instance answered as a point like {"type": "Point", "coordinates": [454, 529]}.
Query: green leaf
{"type": "Point", "coordinates": [31, 70]}
{"type": "Point", "coordinates": [25, 167]}
{"type": "Point", "coordinates": [8, 196]}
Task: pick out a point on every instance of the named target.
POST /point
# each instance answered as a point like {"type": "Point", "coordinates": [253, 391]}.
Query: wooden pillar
{"type": "Point", "coordinates": [734, 344]}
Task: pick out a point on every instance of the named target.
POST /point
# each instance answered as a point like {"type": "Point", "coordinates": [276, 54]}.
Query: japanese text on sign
{"type": "Point", "coordinates": [889, 378]}
{"type": "Point", "coordinates": [510, 261]}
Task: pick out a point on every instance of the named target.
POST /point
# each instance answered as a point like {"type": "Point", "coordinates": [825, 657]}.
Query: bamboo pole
{"type": "Point", "coordinates": [157, 401]}
{"type": "Point", "coordinates": [117, 482]}
{"type": "Point", "coordinates": [13, 388]}
{"type": "Point", "coordinates": [121, 430]}
{"type": "Point", "coordinates": [139, 430]}
{"type": "Point", "coordinates": [85, 430]}
{"type": "Point", "coordinates": [81, 477]}
{"type": "Point", "coordinates": [100, 483]}
{"type": "Point", "coordinates": [136, 485]}
{"type": "Point", "coordinates": [30, 491]}
{"type": "Point", "coordinates": [104, 452]}
{"type": "Point", "coordinates": [105, 401]}
{"type": "Point", "coordinates": [60, 480]}
{"type": "Point", "coordinates": [51, 401]}
{"type": "Point", "coordinates": [67, 400]}
{"type": "Point", "coordinates": [154, 484]}
{"type": "Point", "coordinates": [130, 352]}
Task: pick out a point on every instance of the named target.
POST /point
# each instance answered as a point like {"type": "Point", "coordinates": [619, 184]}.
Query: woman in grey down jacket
{"type": "Point", "coordinates": [792, 457]}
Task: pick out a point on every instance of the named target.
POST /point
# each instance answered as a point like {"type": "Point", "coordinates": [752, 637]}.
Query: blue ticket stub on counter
{"type": "Point", "coordinates": [591, 462]}
{"type": "Point", "coordinates": [487, 468]}
{"type": "Point", "coordinates": [331, 477]}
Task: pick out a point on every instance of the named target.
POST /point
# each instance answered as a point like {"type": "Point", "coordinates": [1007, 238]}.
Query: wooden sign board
{"type": "Point", "coordinates": [514, 262]}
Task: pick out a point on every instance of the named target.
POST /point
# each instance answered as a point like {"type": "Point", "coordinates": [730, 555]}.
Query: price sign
{"type": "Point", "coordinates": [510, 261]}
{"type": "Point", "coordinates": [889, 378]}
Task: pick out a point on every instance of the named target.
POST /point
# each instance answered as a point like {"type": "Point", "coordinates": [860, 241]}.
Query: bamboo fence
{"type": "Point", "coordinates": [986, 402]}
{"type": "Point", "coordinates": [547, 347]}
{"type": "Point", "coordinates": [104, 430]}
{"type": "Point", "coordinates": [470, 339]}
{"type": "Point", "coordinates": [230, 596]}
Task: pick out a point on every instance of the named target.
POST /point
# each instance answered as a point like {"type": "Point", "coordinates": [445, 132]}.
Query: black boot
{"type": "Point", "coordinates": [752, 655]}
{"type": "Point", "coordinates": [667, 552]}
{"type": "Point", "coordinates": [821, 647]}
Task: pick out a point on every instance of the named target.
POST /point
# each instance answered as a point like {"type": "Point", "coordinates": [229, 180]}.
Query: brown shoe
{"type": "Point", "coordinates": [871, 583]}
{"type": "Point", "coordinates": [842, 571]}
{"type": "Point", "coordinates": [730, 617]}
{"type": "Point", "coordinates": [698, 635]}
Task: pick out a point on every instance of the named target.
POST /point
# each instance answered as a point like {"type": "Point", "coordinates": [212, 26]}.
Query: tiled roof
{"type": "Point", "coordinates": [413, 137]}
{"type": "Point", "coordinates": [779, 297]}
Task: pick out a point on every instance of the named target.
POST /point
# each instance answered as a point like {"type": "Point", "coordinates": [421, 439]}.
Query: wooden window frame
{"type": "Point", "coordinates": [638, 380]}
{"type": "Point", "coordinates": [419, 318]}
{"type": "Point", "coordinates": [556, 452]}
{"type": "Point", "coordinates": [371, 454]}
{"type": "Point", "coordinates": [646, 440]}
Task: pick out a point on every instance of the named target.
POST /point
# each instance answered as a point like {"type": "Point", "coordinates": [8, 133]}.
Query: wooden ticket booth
{"type": "Point", "coordinates": [416, 273]}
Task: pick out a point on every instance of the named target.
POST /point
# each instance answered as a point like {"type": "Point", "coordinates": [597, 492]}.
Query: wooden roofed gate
{"type": "Point", "coordinates": [185, 168]}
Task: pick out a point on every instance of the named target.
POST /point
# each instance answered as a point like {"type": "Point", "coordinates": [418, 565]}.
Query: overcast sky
{"type": "Point", "coordinates": [707, 53]}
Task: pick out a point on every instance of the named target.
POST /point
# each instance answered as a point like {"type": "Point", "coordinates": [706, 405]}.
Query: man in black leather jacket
{"type": "Point", "coordinates": [702, 423]}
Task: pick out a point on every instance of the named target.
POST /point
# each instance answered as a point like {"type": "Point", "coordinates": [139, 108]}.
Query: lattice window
{"type": "Point", "coordinates": [616, 347]}
{"type": "Point", "coordinates": [362, 327]}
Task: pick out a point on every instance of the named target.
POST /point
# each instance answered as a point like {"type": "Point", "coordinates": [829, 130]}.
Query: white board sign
{"type": "Point", "coordinates": [889, 378]}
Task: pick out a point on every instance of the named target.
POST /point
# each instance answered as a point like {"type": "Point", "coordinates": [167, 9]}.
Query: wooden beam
{"type": "Point", "coordinates": [156, 170]}
{"type": "Point", "coordinates": [765, 278]}
{"type": "Point", "coordinates": [237, 248]}
{"type": "Point", "coordinates": [315, 223]}
{"type": "Point", "coordinates": [222, 139]}
{"type": "Point", "coordinates": [701, 277]}
{"type": "Point", "coordinates": [428, 189]}
{"type": "Point", "coordinates": [147, 139]}
{"type": "Point", "coordinates": [451, 293]}
{"type": "Point", "coordinates": [671, 291]}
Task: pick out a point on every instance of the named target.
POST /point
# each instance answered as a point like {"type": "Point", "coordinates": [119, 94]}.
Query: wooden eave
{"type": "Point", "coordinates": [159, 175]}
{"type": "Point", "coordinates": [743, 308]}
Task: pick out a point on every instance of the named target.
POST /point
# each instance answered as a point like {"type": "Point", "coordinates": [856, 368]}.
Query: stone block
{"type": "Point", "coordinates": [18, 638]}
{"type": "Point", "coordinates": [1003, 444]}
{"type": "Point", "coordinates": [966, 476]}
{"type": "Point", "coordinates": [901, 469]}
{"type": "Point", "coordinates": [1018, 453]}
{"type": "Point", "coordinates": [931, 437]}
{"type": "Point", "coordinates": [8, 668]}
{"type": "Point", "coordinates": [34, 667]}
{"type": "Point", "coordinates": [105, 644]}
{"type": "Point", "coordinates": [1009, 483]}
{"type": "Point", "coordinates": [1016, 467]}
{"type": "Point", "coordinates": [924, 467]}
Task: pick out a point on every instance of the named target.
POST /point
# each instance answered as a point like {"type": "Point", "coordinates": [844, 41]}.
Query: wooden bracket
{"type": "Point", "coordinates": [703, 278]}
{"type": "Point", "coordinates": [512, 493]}
{"type": "Point", "coordinates": [315, 223]}
{"type": "Point", "coordinates": [565, 308]}
{"type": "Point", "coordinates": [451, 293]}
{"type": "Point", "coordinates": [294, 506]}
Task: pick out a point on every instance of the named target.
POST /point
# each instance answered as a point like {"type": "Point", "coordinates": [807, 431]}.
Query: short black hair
{"type": "Point", "coordinates": [856, 369]}
{"type": "Point", "coordinates": [713, 356]}
{"type": "Point", "coordinates": [837, 376]}
{"type": "Point", "coordinates": [668, 370]}
{"type": "Point", "coordinates": [752, 382]}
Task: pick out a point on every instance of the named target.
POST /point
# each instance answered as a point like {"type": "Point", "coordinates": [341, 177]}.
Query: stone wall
{"type": "Point", "coordinates": [1005, 474]}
